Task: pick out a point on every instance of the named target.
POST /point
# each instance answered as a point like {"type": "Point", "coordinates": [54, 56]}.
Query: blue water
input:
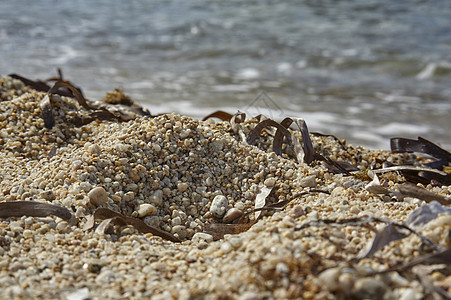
{"type": "Point", "coordinates": [362, 70]}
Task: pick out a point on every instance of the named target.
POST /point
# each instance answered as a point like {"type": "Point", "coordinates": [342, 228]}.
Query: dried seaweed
{"type": "Point", "coordinates": [42, 86]}
{"type": "Point", "coordinates": [425, 214]}
{"type": "Point", "coordinates": [138, 224]}
{"type": "Point", "coordinates": [412, 190]}
{"type": "Point", "coordinates": [235, 121]}
{"type": "Point", "coordinates": [218, 230]}
{"type": "Point", "coordinates": [392, 232]}
{"type": "Point", "coordinates": [401, 145]}
{"type": "Point", "coordinates": [278, 137]}
{"type": "Point", "coordinates": [409, 168]}
{"type": "Point", "coordinates": [32, 209]}
{"type": "Point", "coordinates": [97, 110]}
{"type": "Point", "coordinates": [46, 112]}
{"type": "Point", "coordinates": [222, 115]}
{"type": "Point", "coordinates": [305, 153]}
{"type": "Point", "coordinates": [415, 221]}
{"type": "Point", "coordinates": [337, 167]}
{"type": "Point", "coordinates": [422, 272]}
{"type": "Point", "coordinates": [440, 257]}
{"type": "Point", "coordinates": [388, 234]}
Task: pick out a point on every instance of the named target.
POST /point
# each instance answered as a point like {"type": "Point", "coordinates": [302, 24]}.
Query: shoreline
{"type": "Point", "coordinates": [181, 175]}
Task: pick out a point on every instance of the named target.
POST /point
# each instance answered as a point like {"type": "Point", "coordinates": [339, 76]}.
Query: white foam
{"type": "Point", "coordinates": [284, 68]}
{"type": "Point", "coordinates": [427, 72]}
{"type": "Point", "coordinates": [234, 87]}
{"type": "Point", "coordinates": [248, 73]}
{"type": "Point", "coordinates": [395, 128]}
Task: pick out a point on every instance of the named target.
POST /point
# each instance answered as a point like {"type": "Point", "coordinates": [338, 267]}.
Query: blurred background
{"type": "Point", "coordinates": [362, 70]}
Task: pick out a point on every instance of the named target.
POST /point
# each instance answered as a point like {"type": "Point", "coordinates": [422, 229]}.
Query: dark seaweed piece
{"type": "Point", "coordinates": [77, 94]}
{"type": "Point", "coordinates": [422, 175]}
{"type": "Point", "coordinates": [337, 167]}
{"type": "Point", "coordinates": [41, 86]}
{"type": "Point", "coordinates": [46, 112]}
{"type": "Point", "coordinates": [222, 115]}
{"type": "Point", "coordinates": [395, 231]}
{"type": "Point", "coordinates": [235, 122]}
{"type": "Point", "coordinates": [392, 232]}
{"type": "Point", "coordinates": [97, 110]}
{"type": "Point", "coordinates": [32, 209]}
{"type": "Point", "coordinates": [278, 138]}
{"type": "Point", "coordinates": [219, 230]}
{"type": "Point", "coordinates": [401, 145]}
{"type": "Point", "coordinates": [105, 213]}
{"type": "Point", "coordinates": [387, 235]}
{"type": "Point", "coordinates": [412, 190]}
{"type": "Point", "coordinates": [305, 153]}
{"type": "Point", "coordinates": [37, 85]}
{"type": "Point", "coordinates": [440, 257]}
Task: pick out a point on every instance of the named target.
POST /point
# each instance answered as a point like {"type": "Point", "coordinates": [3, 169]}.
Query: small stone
{"type": "Point", "coordinates": [27, 233]}
{"type": "Point", "coordinates": [202, 237]}
{"type": "Point", "coordinates": [308, 181]}
{"type": "Point", "coordinates": [85, 186]}
{"type": "Point", "coordinates": [157, 198]}
{"type": "Point", "coordinates": [105, 277]}
{"type": "Point", "coordinates": [48, 195]}
{"type": "Point", "coordinates": [146, 209]}
{"type": "Point", "coordinates": [369, 288]}
{"type": "Point", "coordinates": [270, 182]}
{"type": "Point", "coordinates": [176, 221]}
{"type": "Point", "coordinates": [219, 205]}
{"type": "Point", "coordinates": [297, 211]}
{"type": "Point", "coordinates": [180, 231]}
{"type": "Point", "coordinates": [226, 247]}
{"type": "Point", "coordinates": [80, 294]}
{"type": "Point", "coordinates": [232, 214]}
{"type": "Point", "coordinates": [182, 187]}
{"type": "Point", "coordinates": [216, 145]}
{"type": "Point", "coordinates": [93, 149]}
{"type": "Point", "coordinates": [235, 242]}
{"type": "Point", "coordinates": [346, 281]}
{"type": "Point", "coordinates": [354, 210]}
{"type": "Point", "coordinates": [129, 196]}
{"type": "Point", "coordinates": [209, 181]}
{"type": "Point", "coordinates": [156, 147]}
{"type": "Point", "coordinates": [93, 267]}
{"type": "Point", "coordinates": [98, 196]}
{"type": "Point", "coordinates": [329, 278]}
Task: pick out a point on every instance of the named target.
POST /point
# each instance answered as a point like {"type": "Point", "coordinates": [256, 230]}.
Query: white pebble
{"type": "Point", "coordinates": [219, 206]}
{"type": "Point", "coordinates": [182, 186]}
{"type": "Point", "coordinates": [270, 182]}
{"type": "Point", "coordinates": [308, 181]}
{"type": "Point", "coordinates": [146, 209]}
{"type": "Point", "coordinates": [93, 149]}
{"type": "Point", "coordinates": [98, 196]}
{"type": "Point", "coordinates": [202, 237]}
{"type": "Point", "coordinates": [157, 198]}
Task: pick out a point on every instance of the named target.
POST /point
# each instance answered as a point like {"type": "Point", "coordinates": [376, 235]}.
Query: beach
{"type": "Point", "coordinates": [365, 71]}
{"type": "Point", "coordinates": [172, 207]}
